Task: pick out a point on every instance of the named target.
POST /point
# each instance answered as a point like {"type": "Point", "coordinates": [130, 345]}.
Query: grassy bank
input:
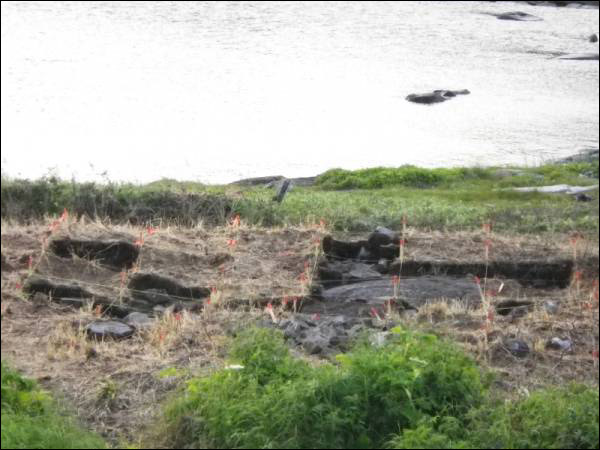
{"type": "Point", "coordinates": [30, 419]}
{"type": "Point", "coordinates": [416, 391]}
{"type": "Point", "coordinates": [437, 199]}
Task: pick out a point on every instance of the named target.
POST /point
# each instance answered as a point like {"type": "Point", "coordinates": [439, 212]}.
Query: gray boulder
{"type": "Point", "coordinates": [109, 329]}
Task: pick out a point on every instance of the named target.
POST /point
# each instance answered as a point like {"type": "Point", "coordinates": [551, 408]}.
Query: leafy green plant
{"type": "Point", "coordinates": [30, 419]}
{"type": "Point", "coordinates": [565, 417]}
{"type": "Point", "coordinates": [277, 401]}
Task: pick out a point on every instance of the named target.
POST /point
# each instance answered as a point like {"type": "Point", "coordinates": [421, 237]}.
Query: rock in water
{"type": "Point", "coordinates": [437, 96]}
{"type": "Point", "coordinates": [518, 16]}
{"type": "Point", "coordinates": [581, 57]}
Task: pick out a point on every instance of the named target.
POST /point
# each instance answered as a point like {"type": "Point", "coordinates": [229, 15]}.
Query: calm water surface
{"type": "Point", "coordinates": [218, 91]}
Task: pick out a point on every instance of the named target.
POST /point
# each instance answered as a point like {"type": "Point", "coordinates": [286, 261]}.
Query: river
{"type": "Point", "coordinates": [217, 91]}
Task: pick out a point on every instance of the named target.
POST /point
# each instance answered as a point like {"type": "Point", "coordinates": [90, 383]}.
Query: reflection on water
{"type": "Point", "coordinates": [215, 91]}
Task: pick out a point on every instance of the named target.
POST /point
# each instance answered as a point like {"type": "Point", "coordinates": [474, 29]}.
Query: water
{"type": "Point", "coordinates": [218, 91]}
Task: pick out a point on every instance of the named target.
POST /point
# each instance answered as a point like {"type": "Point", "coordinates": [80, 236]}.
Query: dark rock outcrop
{"type": "Point", "coordinates": [36, 284]}
{"type": "Point", "coordinates": [160, 290]}
{"type": "Point", "coordinates": [114, 254]}
{"type": "Point", "coordinates": [322, 335]}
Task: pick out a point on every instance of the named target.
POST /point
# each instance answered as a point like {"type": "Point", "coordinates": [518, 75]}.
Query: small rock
{"type": "Point", "coordinates": [593, 38]}
{"type": "Point", "coordinates": [557, 343]}
{"type": "Point", "coordinates": [159, 309]}
{"type": "Point", "coordinates": [109, 329]}
{"type": "Point", "coordinates": [515, 308]}
{"type": "Point", "coordinates": [91, 353]}
{"type": "Point", "coordinates": [551, 307]}
{"type": "Point", "coordinates": [382, 266]}
{"type": "Point", "coordinates": [383, 236]}
{"type": "Point", "coordinates": [315, 344]}
{"type": "Point", "coordinates": [583, 198]}
{"type": "Point", "coordinates": [517, 348]}
{"type": "Point", "coordinates": [294, 329]}
{"type": "Point", "coordinates": [139, 320]}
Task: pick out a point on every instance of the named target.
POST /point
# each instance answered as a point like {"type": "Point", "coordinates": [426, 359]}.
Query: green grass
{"type": "Point", "coordinates": [437, 199]}
{"type": "Point", "coordinates": [416, 177]}
{"type": "Point", "coordinates": [415, 392]}
{"type": "Point", "coordinates": [564, 417]}
{"type": "Point", "coordinates": [30, 419]}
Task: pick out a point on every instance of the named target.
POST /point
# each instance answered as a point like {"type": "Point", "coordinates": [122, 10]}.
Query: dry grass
{"type": "Point", "coordinates": [576, 320]}
{"type": "Point", "coordinates": [116, 386]}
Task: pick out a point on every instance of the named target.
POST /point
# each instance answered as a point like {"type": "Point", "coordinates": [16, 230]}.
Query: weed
{"type": "Point", "coordinates": [30, 419]}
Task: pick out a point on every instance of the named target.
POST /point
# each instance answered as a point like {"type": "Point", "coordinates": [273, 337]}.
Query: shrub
{"type": "Point", "coordinates": [277, 401]}
{"type": "Point", "coordinates": [564, 417]}
{"type": "Point", "coordinates": [408, 176]}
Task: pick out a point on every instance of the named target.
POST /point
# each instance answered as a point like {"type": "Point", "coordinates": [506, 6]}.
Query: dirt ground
{"type": "Point", "coordinates": [117, 386]}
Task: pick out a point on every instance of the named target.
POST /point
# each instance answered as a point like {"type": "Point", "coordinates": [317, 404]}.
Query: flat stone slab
{"type": "Point", "coordinates": [109, 329]}
{"type": "Point", "coordinates": [358, 298]}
